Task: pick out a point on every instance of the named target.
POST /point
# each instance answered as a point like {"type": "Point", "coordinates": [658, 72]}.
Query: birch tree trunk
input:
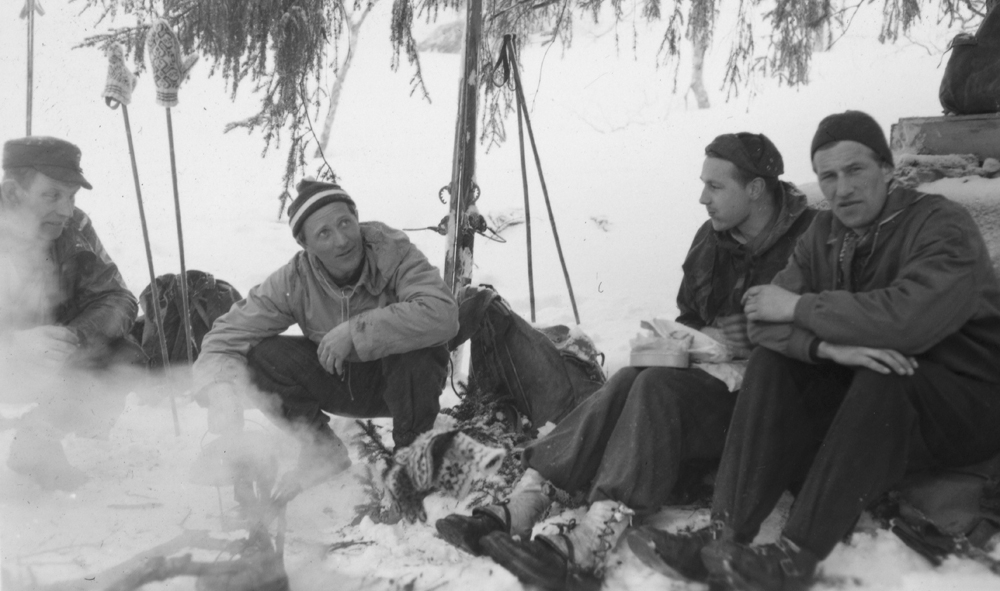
{"type": "Point", "coordinates": [354, 28]}
{"type": "Point", "coordinates": [699, 40]}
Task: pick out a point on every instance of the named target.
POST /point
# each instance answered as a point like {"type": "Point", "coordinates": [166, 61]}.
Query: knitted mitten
{"type": "Point", "coordinates": [169, 67]}
{"type": "Point", "coordinates": [121, 81]}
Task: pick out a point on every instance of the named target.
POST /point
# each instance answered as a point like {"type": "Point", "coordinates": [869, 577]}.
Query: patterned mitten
{"type": "Point", "coordinates": [121, 81]}
{"type": "Point", "coordinates": [169, 67]}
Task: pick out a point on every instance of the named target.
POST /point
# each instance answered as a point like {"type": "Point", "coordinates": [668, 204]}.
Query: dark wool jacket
{"type": "Point", "coordinates": [718, 270]}
{"type": "Point", "coordinates": [923, 285]}
{"type": "Point", "coordinates": [93, 298]}
{"type": "Point", "coordinates": [70, 281]}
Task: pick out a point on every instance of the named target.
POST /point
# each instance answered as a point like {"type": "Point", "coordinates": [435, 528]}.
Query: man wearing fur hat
{"type": "Point", "coordinates": [880, 355]}
{"type": "Point", "coordinates": [624, 447]}
{"type": "Point", "coordinates": [65, 312]}
{"type": "Point", "coordinates": [375, 317]}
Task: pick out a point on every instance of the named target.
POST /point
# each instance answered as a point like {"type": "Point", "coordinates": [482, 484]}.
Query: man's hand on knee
{"type": "Point", "coordinates": [46, 346]}
{"type": "Point", "coordinates": [225, 410]}
{"type": "Point", "coordinates": [883, 361]}
{"type": "Point", "coordinates": [335, 348]}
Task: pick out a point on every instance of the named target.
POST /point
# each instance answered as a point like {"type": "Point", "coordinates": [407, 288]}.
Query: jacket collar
{"type": "Point", "coordinates": [791, 204]}
{"type": "Point", "coordinates": [897, 201]}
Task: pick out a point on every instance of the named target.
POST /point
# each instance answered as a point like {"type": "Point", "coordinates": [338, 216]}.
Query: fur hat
{"type": "Point", "coordinates": [852, 126]}
{"type": "Point", "coordinates": [53, 157]}
{"type": "Point", "coordinates": [312, 196]}
{"type": "Point", "coordinates": [752, 152]}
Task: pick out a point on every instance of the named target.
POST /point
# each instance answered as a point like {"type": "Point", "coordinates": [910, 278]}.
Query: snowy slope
{"type": "Point", "coordinates": [622, 155]}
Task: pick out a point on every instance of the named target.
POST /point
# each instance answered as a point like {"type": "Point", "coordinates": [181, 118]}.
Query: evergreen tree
{"type": "Point", "coordinates": [283, 47]}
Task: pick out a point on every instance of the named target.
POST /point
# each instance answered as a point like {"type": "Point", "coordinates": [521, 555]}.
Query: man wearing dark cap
{"type": "Point", "coordinates": [375, 317]}
{"type": "Point", "coordinates": [65, 312]}
{"type": "Point", "coordinates": [880, 355]}
{"type": "Point", "coordinates": [625, 446]}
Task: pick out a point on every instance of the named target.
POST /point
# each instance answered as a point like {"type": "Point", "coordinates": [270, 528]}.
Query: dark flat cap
{"type": "Point", "coordinates": [854, 126]}
{"type": "Point", "coordinates": [753, 152]}
{"type": "Point", "coordinates": [53, 157]}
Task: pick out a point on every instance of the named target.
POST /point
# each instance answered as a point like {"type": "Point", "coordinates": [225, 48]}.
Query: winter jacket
{"type": "Point", "coordinates": [83, 290]}
{"type": "Point", "coordinates": [922, 284]}
{"type": "Point", "coordinates": [718, 270]}
{"type": "Point", "coordinates": [399, 304]}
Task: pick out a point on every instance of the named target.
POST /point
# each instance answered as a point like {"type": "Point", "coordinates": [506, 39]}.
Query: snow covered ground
{"type": "Point", "coordinates": [622, 155]}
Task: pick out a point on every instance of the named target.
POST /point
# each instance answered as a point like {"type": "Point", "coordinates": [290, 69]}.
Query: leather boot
{"type": "Point", "coordinates": [516, 515]}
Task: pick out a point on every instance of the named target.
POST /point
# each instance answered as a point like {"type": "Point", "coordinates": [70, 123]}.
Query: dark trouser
{"type": "Point", "coordinates": [626, 441]}
{"type": "Point", "coordinates": [91, 392]}
{"type": "Point", "coordinates": [405, 387]}
{"type": "Point", "coordinates": [846, 435]}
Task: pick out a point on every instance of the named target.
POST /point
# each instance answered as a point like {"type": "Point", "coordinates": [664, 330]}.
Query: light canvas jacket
{"type": "Point", "coordinates": [399, 304]}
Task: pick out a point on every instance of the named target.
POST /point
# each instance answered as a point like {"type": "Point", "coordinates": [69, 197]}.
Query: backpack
{"type": "Point", "coordinates": [943, 512]}
{"type": "Point", "coordinates": [208, 298]}
{"type": "Point", "coordinates": [971, 82]}
{"type": "Point", "coordinates": [542, 374]}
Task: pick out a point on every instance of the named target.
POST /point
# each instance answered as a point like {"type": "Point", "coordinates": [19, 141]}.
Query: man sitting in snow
{"type": "Point", "coordinates": [375, 315]}
{"type": "Point", "coordinates": [880, 355]}
{"type": "Point", "coordinates": [65, 312]}
{"type": "Point", "coordinates": [625, 445]}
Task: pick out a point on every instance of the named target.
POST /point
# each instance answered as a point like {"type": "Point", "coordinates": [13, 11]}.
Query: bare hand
{"type": "Point", "coordinates": [45, 345]}
{"type": "Point", "coordinates": [884, 361]}
{"type": "Point", "coordinates": [335, 348]}
{"type": "Point", "coordinates": [770, 303]}
{"type": "Point", "coordinates": [225, 410]}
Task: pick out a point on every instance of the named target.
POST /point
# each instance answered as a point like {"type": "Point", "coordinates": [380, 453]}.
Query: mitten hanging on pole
{"type": "Point", "coordinates": [169, 70]}
{"type": "Point", "coordinates": [118, 92]}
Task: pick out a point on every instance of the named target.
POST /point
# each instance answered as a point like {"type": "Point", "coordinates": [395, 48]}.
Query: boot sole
{"type": "Point", "coordinates": [527, 571]}
{"type": "Point", "coordinates": [455, 535]}
{"type": "Point", "coordinates": [721, 573]}
{"type": "Point", "coordinates": [644, 549]}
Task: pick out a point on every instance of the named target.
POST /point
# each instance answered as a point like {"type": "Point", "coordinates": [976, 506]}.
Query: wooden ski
{"type": "Point", "coordinates": [461, 236]}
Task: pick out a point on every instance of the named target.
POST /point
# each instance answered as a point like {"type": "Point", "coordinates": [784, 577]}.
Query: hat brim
{"type": "Point", "coordinates": [63, 174]}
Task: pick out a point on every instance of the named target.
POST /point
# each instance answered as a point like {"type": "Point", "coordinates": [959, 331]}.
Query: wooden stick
{"type": "Point", "coordinates": [154, 291]}
{"type": "Point", "coordinates": [188, 338]}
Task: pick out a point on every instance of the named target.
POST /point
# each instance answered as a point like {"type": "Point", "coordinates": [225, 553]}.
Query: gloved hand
{"type": "Point", "coordinates": [225, 410]}
{"type": "Point", "coordinates": [169, 67]}
{"type": "Point", "coordinates": [121, 81]}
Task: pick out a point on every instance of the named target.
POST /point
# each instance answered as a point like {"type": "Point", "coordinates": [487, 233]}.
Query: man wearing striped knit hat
{"type": "Point", "coordinates": [375, 317]}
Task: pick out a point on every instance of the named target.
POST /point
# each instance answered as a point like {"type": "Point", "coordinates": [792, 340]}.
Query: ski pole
{"type": "Point", "coordinates": [118, 92]}
{"type": "Point", "coordinates": [188, 337]}
{"type": "Point", "coordinates": [523, 107]}
{"type": "Point", "coordinates": [169, 70]}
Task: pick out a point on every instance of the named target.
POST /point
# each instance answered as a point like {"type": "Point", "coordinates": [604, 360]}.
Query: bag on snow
{"type": "Point", "coordinates": [543, 374]}
{"type": "Point", "coordinates": [208, 299]}
{"type": "Point", "coordinates": [971, 82]}
{"type": "Point", "coordinates": [943, 512]}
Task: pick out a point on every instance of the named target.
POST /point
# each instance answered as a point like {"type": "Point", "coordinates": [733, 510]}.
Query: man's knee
{"type": "Point", "coordinates": [871, 389]}
{"type": "Point", "coordinates": [431, 362]}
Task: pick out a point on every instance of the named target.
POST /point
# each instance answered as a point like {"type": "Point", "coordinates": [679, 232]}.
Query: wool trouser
{"type": "Point", "coordinates": [626, 442]}
{"type": "Point", "coordinates": [405, 386]}
{"type": "Point", "coordinates": [845, 435]}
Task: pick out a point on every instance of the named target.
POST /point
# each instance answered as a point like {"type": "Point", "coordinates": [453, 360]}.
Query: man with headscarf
{"type": "Point", "coordinates": [625, 445]}
{"type": "Point", "coordinates": [880, 355]}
